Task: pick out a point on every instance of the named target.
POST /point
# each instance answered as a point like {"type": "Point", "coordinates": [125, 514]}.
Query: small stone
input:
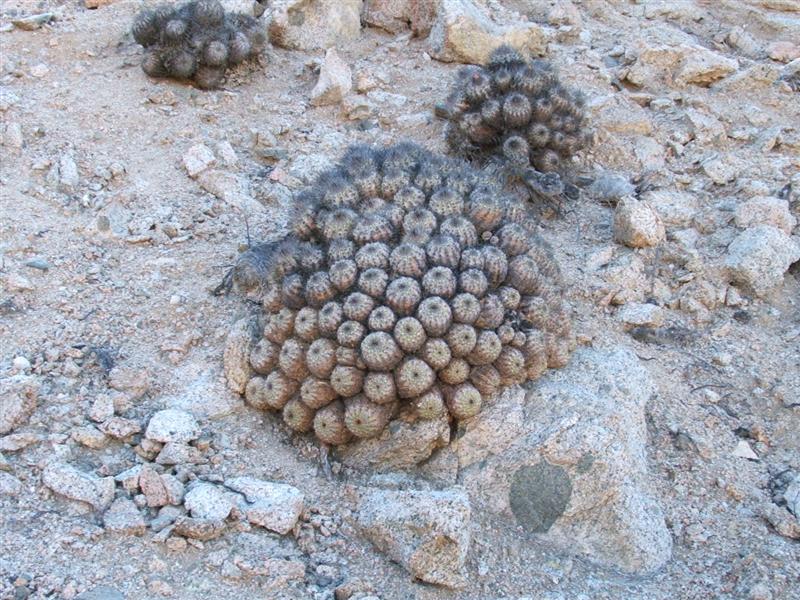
{"type": "Point", "coordinates": [467, 32]}
{"type": "Point", "coordinates": [227, 153]}
{"type": "Point", "coordinates": [21, 364]}
{"type": "Point", "coordinates": [38, 263]}
{"type": "Point", "coordinates": [123, 517]}
{"type": "Point", "coordinates": [759, 257]}
{"type": "Point", "coordinates": [102, 408]}
{"type": "Point", "coordinates": [197, 159]}
{"type": "Point", "coordinates": [174, 488]}
{"type": "Point", "coordinates": [171, 425]}
{"type": "Point", "coordinates": [703, 67]}
{"type": "Point", "coordinates": [12, 137]}
{"type": "Point", "coordinates": [68, 173]}
{"type": "Point", "coordinates": [314, 24]}
{"type": "Point", "coordinates": [33, 22]}
{"type": "Point", "coordinates": [68, 481]}
{"type": "Point", "coordinates": [120, 428]}
{"type": "Point", "coordinates": [783, 51]}
{"type": "Point", "coordinates": [135, 382]}
{"type": "Point", "coordinates": [635, 314]}
{"type": "Point", "coordinates": [90, 437]}
{"type": "Point", "coordinates": [208, 502]}
{"type": "Point", "coordinates": [335, 80]}
{"type": "Point", "coordinates": [673, 206]}
{"type": "Point", "coordinates": [101, 593]}
{"type": "Point", "coordinates": [743, 450]}
{"type": "Point", "coordinates": [720, 169]}
{"type": "Point", "coordinates": [274, 506]}
{"type": "Point", "coordinates": [9, 485]}
{"type": "Point", "coordinates": [40, 70]}
{"type": "Point", "coordinates": [152, 487]}
{"type": "Point", "coordinates": [175, 453]}
{"type": "Point", "coordinates": [199, 529]}
{"type": "Point", "coordinates": [14, 282]}
{"type": "Point", "coordinates": [637, 225]}
{"type": "Point", "coordinates": [781, 520]}
{"type": "Point", "coordinates": [18, 396]}
{"type": "Point", "coordinates": [428, 533]}
{"type": "Point", "coordinates": [166, 517]}
{"type": "Point", "coordinates": [129, 478]}
{"type": "Point", "coordinates": [766, 210]}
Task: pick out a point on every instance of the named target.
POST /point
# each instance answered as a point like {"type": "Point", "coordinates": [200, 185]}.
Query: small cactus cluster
{"type": "Point", "coordinates": [197, 41]}
{"type": "Point", "coordinates": [515, 109]}
{"type": "Point", "coordinates": [409, 287]}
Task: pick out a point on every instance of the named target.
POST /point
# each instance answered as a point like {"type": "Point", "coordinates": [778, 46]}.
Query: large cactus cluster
{"type": "Point", "coordinates": [515, 109]}
{"type": "Point", "coordinates": [409, 287]}
{"type": "Point", "coordinates": [196, 41]}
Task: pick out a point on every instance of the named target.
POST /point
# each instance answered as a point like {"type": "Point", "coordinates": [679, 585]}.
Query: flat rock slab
{"type": "Point", "coordinates": [428, 533]}
{"type": "Point", "coordinates": [575, 471]}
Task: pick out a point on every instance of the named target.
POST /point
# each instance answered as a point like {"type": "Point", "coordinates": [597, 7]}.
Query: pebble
{"type": "Point", "coordinates": [21, 364]}
{"type": "Point", "coordinates": [227, 153]}
{"type": "Point", "coordinates": [635, 314]}
{"type": "Point", "coordinates": [637, 225]}
{"type": "Point", "coordinates": [174, 453]}
{"type": "Point", "coordinates": [152, 487]}
{"type": "Point", "coordinates": [123, 517]}
{"type": "Point", "coordinates": [102, 408]}
{"type": "Point", "coordinates": [33, 22]}
{"type": "Point", "coordinates": [40, 70]}
{"type": "Point", "coordinates": [274, 506]}
{"type": "Point", "coordinates": [90, 437]}
{"type": "Point", "coordinates": [120, 428]}
{"type": "Point", "coordinates": [171, 425]}
{"type": "Point", "coordinates": [759, 257]}
{"type": "Point", "coordinates": [199, 529]}
{"type": "Point", "coordinates": [766, 210]}
{"type": "Point", "coordinates": [68, 176]}
{"type": "Point", "coordinates": [9, 485]}
{"type": "Point", "coordinates": [197, 159]}
{"type": "Point", "coordinates": [68, 481]}
{"type": "Point", "coordinates": [335, 80]}
{"type": "Point", "coordinates": [720, 169]}
{"type": "Point", "coordinates": [208, 502]}
{"type": "Point", "coordinates": [743, 450]}
{"type": "Point", "coordinates": [12, 137]}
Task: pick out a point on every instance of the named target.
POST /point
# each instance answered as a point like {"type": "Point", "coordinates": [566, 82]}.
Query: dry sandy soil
{"type": "Point", "coordinates": [106, 288]}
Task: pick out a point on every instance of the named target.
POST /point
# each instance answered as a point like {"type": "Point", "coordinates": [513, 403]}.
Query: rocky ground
{"type": "Point", "coordinates": [662, 462]}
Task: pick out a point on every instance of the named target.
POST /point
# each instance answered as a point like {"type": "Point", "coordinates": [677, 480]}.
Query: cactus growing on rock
{"type": "Point", "coordinates": [407, 286]}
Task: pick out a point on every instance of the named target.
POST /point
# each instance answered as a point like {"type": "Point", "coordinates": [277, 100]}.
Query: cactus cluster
{"type": "Point", "coordinates": [409, 287]}
{"type": "Point", "coordinates": [516, 109]}
{"type": "Point", "coordinates": [196, 41]}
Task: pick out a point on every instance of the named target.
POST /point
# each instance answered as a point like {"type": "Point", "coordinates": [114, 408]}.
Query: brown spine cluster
{"type": "Point", "coordinates": [408, 285]}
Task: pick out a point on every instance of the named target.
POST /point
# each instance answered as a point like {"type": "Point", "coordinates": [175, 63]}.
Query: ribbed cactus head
{"type": "Point", "coordinates": [410, 287]}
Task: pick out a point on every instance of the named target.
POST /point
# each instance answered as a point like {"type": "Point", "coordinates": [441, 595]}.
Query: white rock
{"type": "Point", "coordinates": [428, 533]}
{"type": "Point", "coordinates": [172, 425]}
{"type": "Point", "coordinates": [743, 450]}
{"type": "Point", "coordinates": [68, 481]}
{"type": "Point", "coordinates": [721, 169]}
{"type": "Point", "coordinates": [68, 173]}
{"type": "Point", "coordinates": [577, 475]}
{"type": "Point", "coordinates": [759, 257]}
{"type": "Point", "coordinates": [637, 225]}
{"type": "Point", "coordinates": [637, 314]}
{"type": "Point", "coordinates": [18, 396]}
{"type": "Point", "coordinates": [123, 517]}
{"type": "Point", "coordinates": [152, 487]}
{"type": "Point", "coordinates": [207, 501]}
{"type": "Point", "coordinates": [673, 206]}
{"type": "Point", "coordinates": [40, 70]}
{"type": "Point", "coordinates": [335, 80]}
{"type": "Point", "coordinates": [9, 485]}
{"type": "Point", "coordinates": [766, 210]}
{"type": "Point", "coordinates": [227, 153]}
{"type": "Point", "coordinates": [197, 159]}
{"type": "Point", "coordinates": [466, 31]}
{"type": "Point", "coordinates": [314, 24]}
{"type": "Point", "coordinates": [274, 506]}
{"type": "Point", "coordinates": [12, 137]}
